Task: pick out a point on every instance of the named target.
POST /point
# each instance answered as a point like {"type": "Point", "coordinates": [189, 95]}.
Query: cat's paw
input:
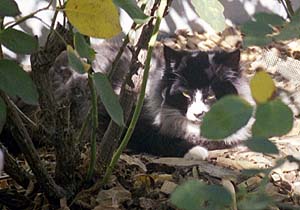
{"type": "Point", "coordinates": [197, 153]}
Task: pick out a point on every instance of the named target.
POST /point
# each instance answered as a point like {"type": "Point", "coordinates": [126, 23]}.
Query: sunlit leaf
{"type": "Point", "coordinates": [75, 62]}
{"type": "Point", "coordinates": [261, 144]}
{"type": "Point", "coordinates": [2, 114]}
{"type": "Point", "coordinates": [96, 18]}
{"type": "Point", "coordinates": [290, 30]}
{"type": "Point", "coordinates": [262, 87]}
{"type": "Point", "coordinates": [211, 11]}
{"type": "Point", "coordinates": [225, 117]}
{"type": "Point", "coordinates": [82, 47]}
{"type": "Point", "coordinates": [256, 30]}
{"type": "Point", "coordinates": [9, 8]}
{"type": "Point", "coordinates": [18, 41]}
{"type": "Point", "coordinates": [272, 119]}
{"type": "Point", "coordinates": [14, 81]}
{"type": "Point", "coordinates": [195, 195]}
{"type": "Point", "coordinates": [109, 98]}
{"type": "Point", "coordinates": [133, 10]}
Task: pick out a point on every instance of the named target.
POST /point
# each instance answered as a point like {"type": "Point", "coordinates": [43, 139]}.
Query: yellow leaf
{"type": "Point", "coordinates": [86, 66]}
{"type": "Point", "coordinates": [96, 18]}
{"type": "Point", "coordinates": [262, 87]}
{"type": "Point", "coordinates": [144, 181]}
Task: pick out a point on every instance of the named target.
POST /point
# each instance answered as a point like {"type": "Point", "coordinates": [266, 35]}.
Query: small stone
{"type": "Point", "coordinates": [168, 187]}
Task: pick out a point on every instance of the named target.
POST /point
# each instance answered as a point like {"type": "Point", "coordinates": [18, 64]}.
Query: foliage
{"type": "Point", "coordinates": [262, 87]}
{"type": "Point", "coordinates": [273, 118]}
{"type": "Point", "coordinates": [75, 62]}
{"type": "Point", "coordinates": [18, 41]}
{"type": "Point", "coordinates": [9, 8]}
{"type": "Point", "coordinates": [196, 195]}
{"type": "Point", "coordinates": [83, 49]}
{"type": "Point", "coordinates": [264, 29]}
{"type": "Point", "coordinates": [94, 18]}
{"type": "Point", "coordinates": [261, 144]}
{"type": "Point", "coordinates": [225, 117]}
{"type": "Point", "coordinates": [14, 81]}
{"type": "Point", "coordinates": [211, 11]}
{"type": "Point", "coordinates": [109, 98]}
{"type": "Point", "coordinates": [133, 10]}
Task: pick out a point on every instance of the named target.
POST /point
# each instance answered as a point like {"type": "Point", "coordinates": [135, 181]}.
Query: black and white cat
{"type": "Point", "coordinates": [181, 88]}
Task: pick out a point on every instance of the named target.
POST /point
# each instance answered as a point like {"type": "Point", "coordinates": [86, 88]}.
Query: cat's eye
{"type": "Point", "coordinates": [210, 99]}
{"type": "Point", "coordinates": [186, 94]}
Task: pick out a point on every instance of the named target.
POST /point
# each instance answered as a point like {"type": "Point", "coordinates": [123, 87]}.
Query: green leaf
{"type": "Point", "coordinates": [211, 11]}
{"type": "Point", "coordinates": [18, 41]}
{"type": "Point", "coordinates": [272, 119]}
{"type": "Point", "coordinates": [109, 98]}
{"type": "Point", "coordinates": [2, 114]}
{"type": "Point", "coordinates": [262, 145]}
{"type": "Point", "coordinates": [195, 195]}
{"type": "Point", "coordinates": [262, 24]}
{"type": "Point", "coordinates": [255, 201]}
{"type": "Point", "coordinates": [14, 81]}
{"type": "Point", "coordinates": [132, 10]}
{"type": "Point", "coordinates": [225, 117]}
{"type": "Point", "coordinates": [82, 47]}
{"type": "Point", "coordinates": [9, 8]}
{"type": "Point", "coordinates": [290, 30]}
{"type": "Point", "coordinates": [260, 40]}
{"type": "Point", "coordinates": [256, 31]}
{"type": "Point", "coordinates": [74, 61]}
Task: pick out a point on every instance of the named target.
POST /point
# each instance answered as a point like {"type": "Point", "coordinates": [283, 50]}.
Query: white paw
{"type": "Point", "coordinates": [197, 153]}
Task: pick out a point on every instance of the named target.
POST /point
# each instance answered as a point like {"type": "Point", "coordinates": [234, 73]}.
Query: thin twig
{"type": "Point", "coordinates": [22, 19]}
{"type": "Point", "coordinates": [23, 115]}
{"type": "Point", "coordinates": [59, 36]}
{"type": "Point", "coordinates": [84, 126]}
{"type": "Point", "coordinates": [290, 8]}
{"type": "Point", "coordinates": [137, 111]}
{"type": "Point", "coordinates": [51, 27]}
{"type": "Point", "coordinates": [94, 127]}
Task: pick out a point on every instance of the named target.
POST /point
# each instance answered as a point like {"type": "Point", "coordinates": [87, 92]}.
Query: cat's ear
{"type": "Point", "coordinates": [172, 57]}
{"type": "Point", "coordinates": [232, 59]}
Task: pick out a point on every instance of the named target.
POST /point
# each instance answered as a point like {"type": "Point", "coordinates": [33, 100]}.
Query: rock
{"type": "Point", "coordinates": [168, 187]}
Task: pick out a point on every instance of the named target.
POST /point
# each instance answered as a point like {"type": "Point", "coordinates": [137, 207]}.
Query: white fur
{"type": "Point", "coordinates": [197, 153]}
{"type": "Point", "coordinates": [196, 107]}
{"type": "Point", "coordinates": [192, 129]}
{"type": "Point", "coordinates": [210, 57]}
{"type": "Point", "coordinates": [243, 88]}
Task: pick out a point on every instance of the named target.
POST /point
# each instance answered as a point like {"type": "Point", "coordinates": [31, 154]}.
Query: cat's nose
{"type": "Point", "coordinates": [199, 115]}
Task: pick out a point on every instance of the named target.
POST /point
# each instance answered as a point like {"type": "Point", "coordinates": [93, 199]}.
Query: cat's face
{"type": "Point", "coordinates": [193, 81]}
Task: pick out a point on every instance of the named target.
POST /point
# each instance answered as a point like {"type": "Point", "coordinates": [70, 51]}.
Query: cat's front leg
{"type": "Point", "coordinates": [192, 135]}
